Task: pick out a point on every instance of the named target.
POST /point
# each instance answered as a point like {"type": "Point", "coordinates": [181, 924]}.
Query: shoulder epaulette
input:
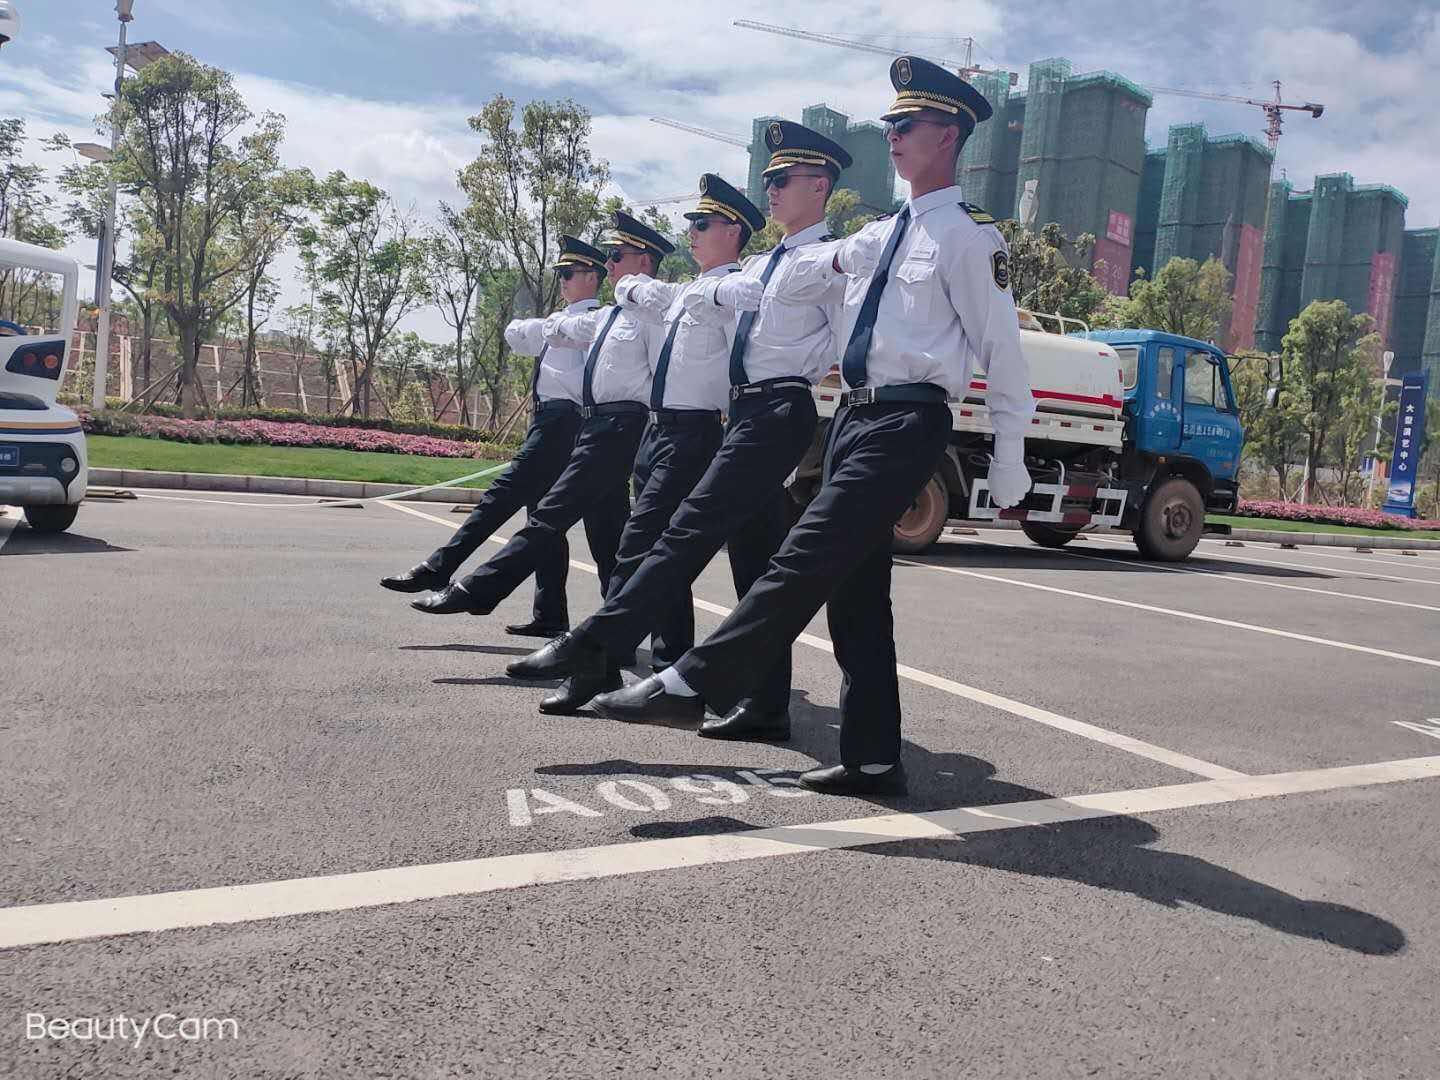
{"type": "Point", "coordinates": [977, 215]}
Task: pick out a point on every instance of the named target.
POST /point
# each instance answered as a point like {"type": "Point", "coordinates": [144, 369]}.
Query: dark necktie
{"type": "Point", "coordinates": [747, 320]}
{"type": "Point", "coordinates": [853, 365]}
{"type": "Point", "coordinates": [535, 376]}
{"type": "Point", "coordinates": [588, 394]}
{"type": "Point", "coordinates": [662, 367]}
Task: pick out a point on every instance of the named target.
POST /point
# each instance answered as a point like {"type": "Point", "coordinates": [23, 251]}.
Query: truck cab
{"type": "Point", "coordinates": [42, 447]}
{"type": "Point", "coordinates": [1181, 424]}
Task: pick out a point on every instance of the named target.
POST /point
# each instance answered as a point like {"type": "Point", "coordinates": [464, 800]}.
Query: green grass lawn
{"type": "Point", "coordinates": [1307, 526]}
{"type": "Point", "coordinates": [128, 452]}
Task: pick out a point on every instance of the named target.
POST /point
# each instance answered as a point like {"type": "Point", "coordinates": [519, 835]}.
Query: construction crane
{"type": "Point", "coordinates": [1272, 109]}
{"type": "Point", "coordinates": [966, 68]}
{"type": "Point", "coordinates": [718, 136]}
{"type": "Point", "coordinates": [667, 200]}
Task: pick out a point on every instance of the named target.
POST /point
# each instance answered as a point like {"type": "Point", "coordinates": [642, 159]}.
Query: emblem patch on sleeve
{"type": "Point", "coordinates": [1000, 269]}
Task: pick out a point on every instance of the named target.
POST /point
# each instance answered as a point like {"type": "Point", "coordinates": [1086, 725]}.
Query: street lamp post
{"type": "Point", "coordinates": [105, 263]}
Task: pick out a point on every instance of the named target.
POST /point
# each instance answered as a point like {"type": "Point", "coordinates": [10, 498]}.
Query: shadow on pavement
{"type": "Point", "coordinates": [24, 540]}
{"type": "Point", "coordinates": [497, 650]}
{"type": "Point", "coordinates": [994, 557]}
{"type": "Point", "coordinates": [1110, 853]}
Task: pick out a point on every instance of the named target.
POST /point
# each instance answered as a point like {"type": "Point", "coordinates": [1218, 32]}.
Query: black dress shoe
{"type": "Point", "coordinates": [449, 601]}
{"type": "Point", "coordinates": [843, 780]}
{"type": "Point", "coordinates": [578, 690]}
{"type": "Point", "coordinates": [749, 724]}
{"type": "Point", "coordinates": [566, 655]}
{"type": "Point", "coordinates": [417, 579]}
{"type": "Point", "coordinates": [537, 629]}
{"type": "Point", "coordinates": [648, 702]}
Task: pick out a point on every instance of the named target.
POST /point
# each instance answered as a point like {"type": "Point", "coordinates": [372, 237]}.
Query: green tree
{"type": "Point", "coordinates": [369, 271]}
{"type": "Point", "coordinates": [264, 228]}
{"type": "Point", "coordinates": [1185, 297]}
{"type": "Point", "coordinates": [25, 208]}
{"type": "Point", "coordinates": [196, 157]}
{"type": "Point", "coordinates": [1329, 354]}
{"type": "Point", "coordinates": [1048, 272]}
{"type": "Point", "coordinates": [532, 183]}
{"type": "Point", "coordinates": [1272, 431]}
{"type": "Point", "coordinates": [456, 259]}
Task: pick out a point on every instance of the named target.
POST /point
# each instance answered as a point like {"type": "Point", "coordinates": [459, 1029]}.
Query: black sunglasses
{"type": "Point", "coordinates": [906, 124]}
{"type": "Point", "coordinates": [780, 179]}
{"type": "Point", "coordinates": [565, 273]}
{"type": "Point", "coordinates": [615, 255]}
{"type": "Point", "coordinates": [701, 224]}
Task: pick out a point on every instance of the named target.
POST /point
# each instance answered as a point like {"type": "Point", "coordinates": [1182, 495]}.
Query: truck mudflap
{"type": "Point", "coordinates": [1048, 503]}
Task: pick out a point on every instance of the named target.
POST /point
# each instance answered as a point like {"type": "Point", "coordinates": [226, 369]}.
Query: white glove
{"type": "Point", "coordinates": [627, 288]}
{"type": "Point", "coordinates": [552, 324]}
{"type": "Point", "coordinates": [739, 292]}
{"type": "Point", "coordinates": [1009, 479]}
{"type": "Point", "coordinates": [859, 253]}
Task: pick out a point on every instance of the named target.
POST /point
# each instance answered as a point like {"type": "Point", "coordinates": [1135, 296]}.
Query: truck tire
{"type": "Point", "coordinates": [921, 525]}
{"type": "Point", "coordinates": [50, 519]}
{"type": "Point", "coordinates": [1171, 522]}
{"type": "Point", "coordinates": [1049, 536]}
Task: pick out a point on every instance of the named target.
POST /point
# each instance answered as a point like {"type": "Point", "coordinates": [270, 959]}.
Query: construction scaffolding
{"type": "Point", "coordinates": [1416, 335]}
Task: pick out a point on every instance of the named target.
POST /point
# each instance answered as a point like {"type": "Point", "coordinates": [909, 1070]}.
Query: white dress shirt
{"type": "Point", "coordinates": [942, 315]}
{"type": "Point", "coordinates": [627, 356]}
{"type": "Point", "coordinates": [561, 369]}
{"type": "Point", "coordinates": [699, 373]}
{"type": "Point", "coordinates": [788, 339]}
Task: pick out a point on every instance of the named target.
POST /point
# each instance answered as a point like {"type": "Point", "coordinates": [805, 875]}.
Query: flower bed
{"type": "Point", "coordinates": [272, 433]}
{"type": "Point", "coordinates": [1331, 515]}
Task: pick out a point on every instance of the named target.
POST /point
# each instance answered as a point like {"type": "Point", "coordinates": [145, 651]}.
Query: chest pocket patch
{"type": "Point", "coordinates": [918, 284]}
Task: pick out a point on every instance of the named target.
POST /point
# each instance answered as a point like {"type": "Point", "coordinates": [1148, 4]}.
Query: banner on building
{"type": "Point", "coordinates": [1247, 288]}
{"type": "Point", "coordinates": [1409, 438]}
{"type": "Point", "coordinates": [1114, 251]}
{"type": "Point", "coordinates": [1381, 300]}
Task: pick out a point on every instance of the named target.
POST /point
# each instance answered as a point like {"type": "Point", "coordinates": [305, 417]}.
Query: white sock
{"type": "Point", "coordinates": [876, 770]}
{"type": "Point", "coordinates": [674, 684]}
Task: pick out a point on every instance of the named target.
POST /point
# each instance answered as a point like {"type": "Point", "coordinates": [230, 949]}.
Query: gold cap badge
{"type": "Point", "coordinates": [902, 70]}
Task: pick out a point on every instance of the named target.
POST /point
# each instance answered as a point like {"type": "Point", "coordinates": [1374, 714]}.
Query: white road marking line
{"type": "Point", "coordinates": [1208, 573]}
{"type": "Point", "coordinates": [40, 924]}
{"type": "Point", "coordinates": [1139, 747]}
{"type": "Point", "coordinates": [1429, 727]}
{"type": "Point", "coordinates": [1420, 557]}
{"type": "Point", "coordinates": [1294, 565]}
{"type": "Point", "coordinates": [1194, 616]}
{"type": "Point", "coordinates": [314, 500]}
{"type": "Point", "coordinates": [1317, 552]}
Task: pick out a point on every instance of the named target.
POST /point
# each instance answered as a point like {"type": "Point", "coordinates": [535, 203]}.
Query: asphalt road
{"type": "Point", "coordinates": [1152, 828]}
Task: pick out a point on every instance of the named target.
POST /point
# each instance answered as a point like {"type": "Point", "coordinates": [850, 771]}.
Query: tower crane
{"type": "Point", "coordinates": [966, 68]}
{"type": "Point", "coordinates": [718, 136]}
{"type": "Point", "coordinates": [1272, 109]}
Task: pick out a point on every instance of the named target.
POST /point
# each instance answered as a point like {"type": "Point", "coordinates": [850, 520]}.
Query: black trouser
{"type": "Point", "coordinates": [878, 459]}
{"type": "Point", "coordinates": [675, 451]}
{"type": "Point", "coordinates": [737, 500]}
{"type": "Point", "coordinates": [594, 486]}
{"type": "Point", "coordinates": [533, 470]}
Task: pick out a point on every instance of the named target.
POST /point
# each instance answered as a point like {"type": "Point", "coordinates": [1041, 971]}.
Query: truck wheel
{"type": "Point", "coordinates": [1049, 536]}
{"type": "Point", "coordinates": [921, 525]}
{"type": "Point", "coordinates": [50, 519]}
{"type": "Point", "coordinates": [1171, 522]}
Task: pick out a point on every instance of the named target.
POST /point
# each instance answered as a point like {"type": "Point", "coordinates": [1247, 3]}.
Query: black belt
{"type": "Point", "coordinates": [906, 393]}
{"type": "Point", "coordinates": [684, 417]}
{"type": "Point", "coordinates": [556, 405]}
{"type": "Point", "coordinates": [767, 386]}
{"type": "Point", "coordinates": [609, 407]}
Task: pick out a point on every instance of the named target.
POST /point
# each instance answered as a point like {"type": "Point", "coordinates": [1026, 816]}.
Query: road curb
{"type": "Point", "coordinates": [1276, 536]}
{"type": "Point", "coordinates": [274, 485]}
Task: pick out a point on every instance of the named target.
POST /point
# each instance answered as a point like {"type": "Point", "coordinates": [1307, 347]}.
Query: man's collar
{"type": "Point", "coordinates": [932, 199]}
{"type": "Point", "coordinates": [807, 235]}
{"type": "Point", "coordinates": [724, 269]}
{"type": "Point", "coordinates": [581, 305]}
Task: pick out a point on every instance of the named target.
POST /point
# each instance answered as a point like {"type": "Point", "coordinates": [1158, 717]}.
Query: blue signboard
{"type": "Point", "coordinates": [1409, 438]}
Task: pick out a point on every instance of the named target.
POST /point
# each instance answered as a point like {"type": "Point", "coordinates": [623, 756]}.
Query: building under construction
{"type": "Point", "coordinates": [1076, 143]}
{"type": "Point", "coordinates": [1204, 197]}
{"type": "Point", "coordinates": [1415, 339]}
{"type": "Point", "coordinates": [872, 176]}
{"type": "Point", "coordinates": [1338, 241]}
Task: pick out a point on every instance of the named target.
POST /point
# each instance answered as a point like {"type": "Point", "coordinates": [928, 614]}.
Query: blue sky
{"type": "Point", "coordinates": [381, 88]}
